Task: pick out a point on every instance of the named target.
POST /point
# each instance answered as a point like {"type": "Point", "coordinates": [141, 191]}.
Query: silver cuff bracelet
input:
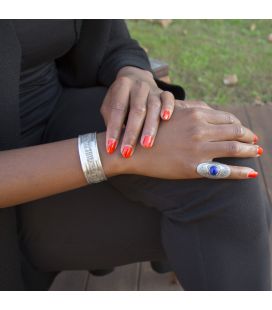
{"type": "Point", "coordinates": [90, 159]}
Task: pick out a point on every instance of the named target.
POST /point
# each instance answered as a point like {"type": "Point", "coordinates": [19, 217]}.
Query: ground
{"type": "Point", "coordinates": [201, 53]}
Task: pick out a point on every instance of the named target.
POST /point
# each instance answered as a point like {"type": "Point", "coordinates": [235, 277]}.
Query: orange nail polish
{"type": "Point", "coordinates": [255, 139]}
{"type": "Point", "coordinates": [166, 115]}
{"type": "Point", "coordinates": [127, 151]}
{"type": "Point", "coordinates": [147, 141]}
{"type": "Point", "coordinates": [112, 143]}
{"type": "Point", "coordinates": [252, 174]}
{"type": "Point", "coordinates": [260, 151]}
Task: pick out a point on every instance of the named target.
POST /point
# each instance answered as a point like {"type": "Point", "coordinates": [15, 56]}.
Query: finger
{"type": "Point", "coordinates": [231, 149]}
{"type": "Point", "coordinates": [238, 173]}
{"type": "Point", "coordinates": [119, 101]}
{"type": "Point", "coordinates": [152, 121]}
{"type": "Point", "coordinates": [192, 104]}
{"type": "Point", "coordinates": [136, 117]}
{"type": "Point", "coordinates": [234, 132]}
{"type": "Point", "coordinates": [219, 117]}
{"type": "Point", "coordinates": [168, 104]}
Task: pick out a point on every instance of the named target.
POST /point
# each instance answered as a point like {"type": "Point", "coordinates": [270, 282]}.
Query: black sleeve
{"type": "Point", "coordinates": [120, 51]}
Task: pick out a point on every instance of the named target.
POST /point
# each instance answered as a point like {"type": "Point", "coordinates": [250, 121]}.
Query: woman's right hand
{"type": "Point", "coordinates": [192, 136]}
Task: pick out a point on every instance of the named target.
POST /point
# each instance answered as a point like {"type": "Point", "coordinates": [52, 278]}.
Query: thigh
{"type": "Point", "coordinates": [215, 232]}
{"type": "Point", "coordinates": [241, 206]}
{"type": "Point", "coordinates": [94, 227]}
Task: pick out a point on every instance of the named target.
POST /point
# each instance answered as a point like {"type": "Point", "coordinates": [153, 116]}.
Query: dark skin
{"type": "Point", "coordinates": [195, 133]}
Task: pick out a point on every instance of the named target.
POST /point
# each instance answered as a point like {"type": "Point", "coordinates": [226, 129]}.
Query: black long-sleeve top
{"type": "Point", "coordinates": [43, 42]}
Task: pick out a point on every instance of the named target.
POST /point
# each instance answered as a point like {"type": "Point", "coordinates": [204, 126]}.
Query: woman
{"type": "Point", "coordinates": [61, 79]}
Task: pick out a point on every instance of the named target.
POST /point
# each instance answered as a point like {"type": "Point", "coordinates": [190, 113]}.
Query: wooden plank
{"type": "Point", "coordinates": [70, 281]}
{"type": "Point", "coordinates": [150, 280]}
{"type": "Point", "coordinates": [123, 278]}
{"type": "Point", "coordinates": [260, 121]}
{"type": "Point", "coordinates": [241, 111]}
{"type": "Point", "coordinates": [160, 68]}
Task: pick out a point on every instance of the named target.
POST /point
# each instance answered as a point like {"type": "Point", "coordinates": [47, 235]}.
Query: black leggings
{"type": "Point", "coordinates": [213, 233]}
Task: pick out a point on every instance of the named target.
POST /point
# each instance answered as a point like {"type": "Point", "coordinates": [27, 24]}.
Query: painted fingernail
{"type": "Point", "coordinates": [127, 151]}
{"type": "Point", "coordinates": [147, 141]}
{"type": "Point", "coordinates": [259, 151]}
{"type": "Point", "coordinates": [252, 174]}
{"type": "Point", "coordinates": [255, 139]}
{"type": "Point", "coordinates": [112, 143]}
{"type": "Point", "coordinates": [166, 115]}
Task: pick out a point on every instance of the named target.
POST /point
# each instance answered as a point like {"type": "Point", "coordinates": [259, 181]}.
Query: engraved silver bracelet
{"type": "Point", "coordinates": [90, 159]}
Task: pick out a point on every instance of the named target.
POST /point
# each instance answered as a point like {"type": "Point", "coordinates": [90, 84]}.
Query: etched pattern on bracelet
{"type": "Point", "coordinates": [90, 159]}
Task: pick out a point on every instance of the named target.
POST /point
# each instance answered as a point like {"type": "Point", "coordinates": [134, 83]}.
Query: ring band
{"type": "Point", "coordinates": [213, 170]}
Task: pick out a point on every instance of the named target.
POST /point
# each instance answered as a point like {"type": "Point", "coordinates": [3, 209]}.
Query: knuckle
{"type": "Point", "coordinates": [229, 119]}
{"type": "Point", "coordinates": [154, 102]}
{"type": "Point", "coordinates": [232, 118]}
{"type": "Point", "coordinates": [240, 173]}
{"type": "Point", "coordinates": [119, 82]}
{"type": "Point", "coordinates": [238, 131]}
{"type": "Point", "coordinates": [122, 80]}
{"type": "Point", "coordinates": [139, 109]}
{"type": "Point", "coordinates": [197, 133]}
{"type": "Point", "coordinates": [115, 105]}
{"type": "Point", "coordinates": [202, 103]}
{"type": "Point", "coordinates": [196, 114]}
{"type": "Point", "coordinates": [115, 88]}
{"type": "Point", "coordinates": [181, 104]}
{"type": "Point", "coordinates": [141, 85]}
{"type": "Point", "coordinates": [233, 148]}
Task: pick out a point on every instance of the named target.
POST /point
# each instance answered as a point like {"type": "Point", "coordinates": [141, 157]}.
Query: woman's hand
{"type": "Point", "coordinates": [134, 95]}
{"type": "Point", "coordinates": [193, 136]}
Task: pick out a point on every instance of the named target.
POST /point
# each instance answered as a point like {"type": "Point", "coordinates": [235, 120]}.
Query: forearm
{"type": "Point", "coordinates": [40, 171]}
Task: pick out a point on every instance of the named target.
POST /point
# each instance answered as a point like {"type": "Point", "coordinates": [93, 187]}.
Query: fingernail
{"type": "Point", "coordinates": [259, 151]}
{"type": "Point", "coordinates": [147, 141]}
{"type": "Point", "coordinates": [252, 174]}
{"type": "Point", "coordinates": [112, 143]}
{"type": "Point", "coordinates": [127, 151]}
{"type": "Point", "coordinates": [166, 115]}
{"type": "Point", "coordinates": [255, 139]}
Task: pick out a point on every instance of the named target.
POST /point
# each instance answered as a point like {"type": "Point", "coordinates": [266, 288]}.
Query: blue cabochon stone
{"type": "Point", "coordinates": [213, 170]}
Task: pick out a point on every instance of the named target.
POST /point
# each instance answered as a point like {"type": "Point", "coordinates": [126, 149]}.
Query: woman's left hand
{"type": "Point", "coordinates": [135, 95]}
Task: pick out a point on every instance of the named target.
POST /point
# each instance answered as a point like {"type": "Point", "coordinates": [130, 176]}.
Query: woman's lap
{"type": "Point", "coordinates": [89, 228]}
{"type": "Point", "coordinates": [94, 227]}
{"type": "Point", "coordinates": [215, 224]}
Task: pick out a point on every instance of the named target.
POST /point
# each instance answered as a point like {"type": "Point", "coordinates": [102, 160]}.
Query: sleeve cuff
{"type": "Point", "coordinates": [109, 70]}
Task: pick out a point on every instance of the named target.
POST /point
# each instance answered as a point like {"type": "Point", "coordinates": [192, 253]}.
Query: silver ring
{"type": "Point", "coordinates": [213, 170]}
